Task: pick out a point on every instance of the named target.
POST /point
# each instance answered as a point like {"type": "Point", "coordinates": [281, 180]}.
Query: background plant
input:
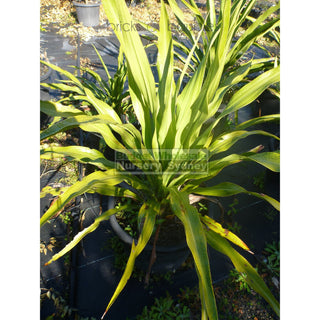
{"type": "Point", "coordinates": [128, 219]}
{"type": "Point", "coordinates": [82, 91]}
{"type": "Point", "coordinates": [233, 303]}
{"type": "Point", "coordinates": [259, 180]}
{"type": "Point", "coordinates": [211, 26]}
{"type": "Point", "coordinates": [174, 119]}
{"type": "Point", "coordinates": [272, 251]}
{"type": "Point", "coordinates": [62, 309]}
{"type": "Point", "coordinates": [165, 309]}
{"type": "Point", "coordinates": [240, 279]}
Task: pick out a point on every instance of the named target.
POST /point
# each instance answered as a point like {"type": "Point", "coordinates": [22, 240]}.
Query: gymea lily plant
{"type": "Point", "coordinates": [175, 151]}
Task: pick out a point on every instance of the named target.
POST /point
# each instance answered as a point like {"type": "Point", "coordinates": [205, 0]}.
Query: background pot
{"type": "Point", "coordinates": [88, 14]}
{"type": "Point", "coordinates": [45, 75]}
{"type": "Point", "coordinates": [266, 104]}
{"type": "Point", "coordinates": [168, 258]}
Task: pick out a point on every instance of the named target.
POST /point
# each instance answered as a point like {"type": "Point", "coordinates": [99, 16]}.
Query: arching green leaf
{"type": "Point", "coordinates": [242, 265]}
{"type": "Point", "coordinates": [104, 216]}
{"type": "Point", "coordinates": [227, 189]}
{"type": "Point", "coordinates": [78, 153]}
{"type": "Point", "coordinates": [196, 241]}
{"type": "Point", "coordinates": [217, 228]}
{"type": "Point", "coordinates": [108, 178]}
{"type": "Point", "coordinates": [56, 109]}
{"type": "Point", "coordinates": [149, 210]}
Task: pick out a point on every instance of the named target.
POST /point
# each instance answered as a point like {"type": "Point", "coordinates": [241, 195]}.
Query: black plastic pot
{"type": "Point", "coordinates": [268, 104]}
{"type": "Point", "coordinates": [168, 258]}
{"type": "Point", "coordinates": [46, 75]}
{"type": "Point", "coordinates": [88, 14]}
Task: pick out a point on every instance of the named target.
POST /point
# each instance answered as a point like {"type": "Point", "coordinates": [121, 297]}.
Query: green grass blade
{"type": "Point", "coordinates": [119, 15]}
{"type": "Point", "coordinates": [237, 6]}
{"type": "Point", "coordinates": [214, 72]}
{"type": "Point", "coordinates": [52, 191]}
{"type": "Point", "coordinates": [88, 84]}
{"type": "Point", "coordinates": [250, 40]}
{"type": "Point", "coordinates": [227, 82]}
{"type": "Point", "coordinates": [263, 64]}
{"type": "Point", "coordinates": [225, 12]}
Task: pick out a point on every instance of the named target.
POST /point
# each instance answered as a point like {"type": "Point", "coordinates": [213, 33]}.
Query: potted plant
{"type": "Point", "coordinates": [168, 244]}
{"type": "Point", "coordinates": [165, 162]}
{"type": "Point", "coordinates": [45, 71]}
{"type": "Point", "coordinates": [88, 12]}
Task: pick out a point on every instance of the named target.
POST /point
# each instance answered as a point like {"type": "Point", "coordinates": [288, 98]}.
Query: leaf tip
{"type": "Point", "coordinates": [47, 263]}
{"type": "Point", "coordinates": [104, 314]}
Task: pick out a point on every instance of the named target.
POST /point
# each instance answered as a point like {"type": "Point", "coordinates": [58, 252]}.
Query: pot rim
{"type": "Point", "coordinates": [46, 75]}
{"type": "Point", "coordinates": [80, 4]}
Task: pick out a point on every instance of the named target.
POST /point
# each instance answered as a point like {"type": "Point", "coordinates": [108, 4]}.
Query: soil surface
{"type": "Point", "coordinates": [171, 233]}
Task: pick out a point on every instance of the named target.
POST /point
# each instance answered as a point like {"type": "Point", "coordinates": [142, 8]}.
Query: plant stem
{"type": "Point", "coordinates": [153, 255]}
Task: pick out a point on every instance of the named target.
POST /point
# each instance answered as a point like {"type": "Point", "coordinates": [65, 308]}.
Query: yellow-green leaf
{"type": "Point", "coordinates": [56, 109]}
{"type": "Point", "coordinates": [197, 244]}
{"type": "Point", "coordinates": [217, 227]}
{"type": "Point", "coordinates": [149, 210]}
{"type": "Point", "coordinates": [242, 265]}
{"type": "Point", "coordinates": [108, 178]}
{"type": "Point", "coordinates": [78, 153]}
{"type": "Point", "coordinates": [227, 189]}
{"type": "Point", "coordinates": [79, 236]}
